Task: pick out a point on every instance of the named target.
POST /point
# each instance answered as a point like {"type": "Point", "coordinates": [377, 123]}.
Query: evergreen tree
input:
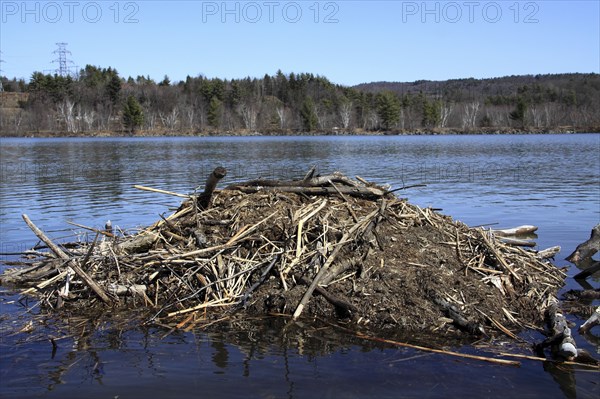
{"type": "Point", "coordinates": [518, 114]}
{"type": "Point", "coordinates": [214, 112]}
{"type": "Point", "coordinates": [431, 113]}
{"type": "Point", "coordinates": [113, 88]}
{"type": "Point", "coordinates": [308, 114]}
{"type": "Point", "coordinates": [165, 82]}
{"type": "Point", "coordinates": [133, 116]}
{"type": "Point", "coordinates": [388, 108]}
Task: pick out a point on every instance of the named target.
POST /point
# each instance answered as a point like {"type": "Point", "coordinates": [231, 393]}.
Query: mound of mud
{"type": "Point", "coordinates": [328, 247]}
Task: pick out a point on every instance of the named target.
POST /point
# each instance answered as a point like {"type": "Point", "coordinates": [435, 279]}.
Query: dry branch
{"type": "Point", "coordinates": [72, 263]}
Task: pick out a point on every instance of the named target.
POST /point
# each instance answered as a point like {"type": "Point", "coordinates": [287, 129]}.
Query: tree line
{"type": "Point", "coordinates": [99, 100]}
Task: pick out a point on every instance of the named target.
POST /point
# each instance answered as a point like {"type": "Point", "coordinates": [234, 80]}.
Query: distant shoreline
{"type": "Point", "coordinates": [398, 132]}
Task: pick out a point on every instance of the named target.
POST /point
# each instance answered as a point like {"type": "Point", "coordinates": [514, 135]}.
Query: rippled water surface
{"type": "Point", "coordinates": [551, 181]}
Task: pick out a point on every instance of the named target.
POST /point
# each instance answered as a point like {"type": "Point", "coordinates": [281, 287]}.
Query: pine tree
{"type": "Point", "coordinates": [388, 108]}
{"type": "Point", "coordinates": [133, 116]}
{"type": "Point", "coordinates": [519, 112]}
{"type": "Point", "coordinates": [308, 114]}
{"type": "Point", "coordinates": [214, 112]}
{"type": "Point", "coordinates": [113, 88]}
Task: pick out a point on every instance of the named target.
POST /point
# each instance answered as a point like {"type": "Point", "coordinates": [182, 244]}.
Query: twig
{"type": "Point", "coordinates": [157, 190]}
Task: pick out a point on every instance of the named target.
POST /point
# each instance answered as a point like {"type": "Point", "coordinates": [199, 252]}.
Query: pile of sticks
{"type": "Point", "coordinates": [220, 249]}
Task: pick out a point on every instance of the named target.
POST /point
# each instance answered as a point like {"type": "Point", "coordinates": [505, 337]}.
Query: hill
{"type": "Point", "coordinates": [93, 102]}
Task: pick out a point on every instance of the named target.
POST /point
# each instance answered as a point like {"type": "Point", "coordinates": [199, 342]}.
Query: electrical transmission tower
{"type": "Point", "coordinates": [63, 69]}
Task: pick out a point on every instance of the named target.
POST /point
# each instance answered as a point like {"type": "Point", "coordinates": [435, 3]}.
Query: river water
{"type": "Point", "coordinates": [551, 181]}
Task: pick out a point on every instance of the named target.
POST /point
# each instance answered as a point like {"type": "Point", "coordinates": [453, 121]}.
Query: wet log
{"type": "Point", "coordinates": [587, 249]}
{"type": "Point", "coordinates": [209, 188]}
{"type": "Point", "coordinates": [548, 252]}
{"type": "Point", "coordinates": [515, 231]}
{"type": "Point", "coordinates": [594, 320]}
{"type": "Point", "coordinates": [560, 339]}
{"type": "Point", "coordinates": [458, 318]}
{"type": "Point", "coordinates": [516, 242]}
{"type": "Point", "coordinates": [582, 275]}
{"type": "Point", "coordinates": [71, 262]}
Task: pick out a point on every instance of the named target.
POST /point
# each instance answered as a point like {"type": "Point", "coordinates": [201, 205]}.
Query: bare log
{"type": "Point", "coordinates": [515, 231]}
{"type": "Point", "coordinates": [71, 262]}
{"type": "Point", "coordinates": [548, 252]}
{"type": "Point", "coordinates": [587, 249]}
{"type": "Point", "coordinates": [561, 339]}
{"type": "Point", "coordinates": [515, 242]}
{"type": "Point", "coordinates": [211, 184]}
{"type": "Point", "coordinates": [594, 320]}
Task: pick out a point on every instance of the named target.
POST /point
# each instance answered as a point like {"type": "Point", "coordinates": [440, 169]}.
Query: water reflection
{"type": "Point", "coordinates": [261, 358]}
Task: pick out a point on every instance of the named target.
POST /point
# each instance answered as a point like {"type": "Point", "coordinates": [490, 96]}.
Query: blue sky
{"type": "Point", "coordinates": [349, 42]}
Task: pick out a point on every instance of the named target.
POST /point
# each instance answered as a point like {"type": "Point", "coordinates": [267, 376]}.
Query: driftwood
{"type": "Point", "coordinates": [515, 231]}
{"type": "Point", "coordinates": [560, 340]}
{"type": "Point", "coordinates": [517, 242]}
{"type": "Point", "coordinates": [548, 252]}
{"type": "Point", "coordinates": [594, 320]}
{"type": "Point", "coordinates": [587, 249]}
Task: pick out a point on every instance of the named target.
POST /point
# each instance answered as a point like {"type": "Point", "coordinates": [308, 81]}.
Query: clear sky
{"type": "Point", "coordinates": [349, 42]}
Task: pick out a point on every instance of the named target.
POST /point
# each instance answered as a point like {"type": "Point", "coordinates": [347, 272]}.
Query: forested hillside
{"type": "Point", "coordinates": [99, 101]}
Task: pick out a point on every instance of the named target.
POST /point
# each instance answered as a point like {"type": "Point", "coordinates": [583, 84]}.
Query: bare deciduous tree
{"type": "Point", "coordinates": [470, 111]}
{"type": "Point", "coordinates": [171, 119]}
{"type": "Point", "coordinates": [65, 109]}
{"type": "Point", "coordinates": [345, 114]}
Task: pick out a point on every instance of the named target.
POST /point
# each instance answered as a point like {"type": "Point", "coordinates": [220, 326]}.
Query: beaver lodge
{"type": "Point", "coordinates": [328, 247]}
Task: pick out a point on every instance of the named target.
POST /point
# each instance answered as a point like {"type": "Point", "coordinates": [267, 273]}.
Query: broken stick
{"type": "Point", "coordinates": [71, 262]}
{"type": "Point", "coordinates": [211, 184]}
